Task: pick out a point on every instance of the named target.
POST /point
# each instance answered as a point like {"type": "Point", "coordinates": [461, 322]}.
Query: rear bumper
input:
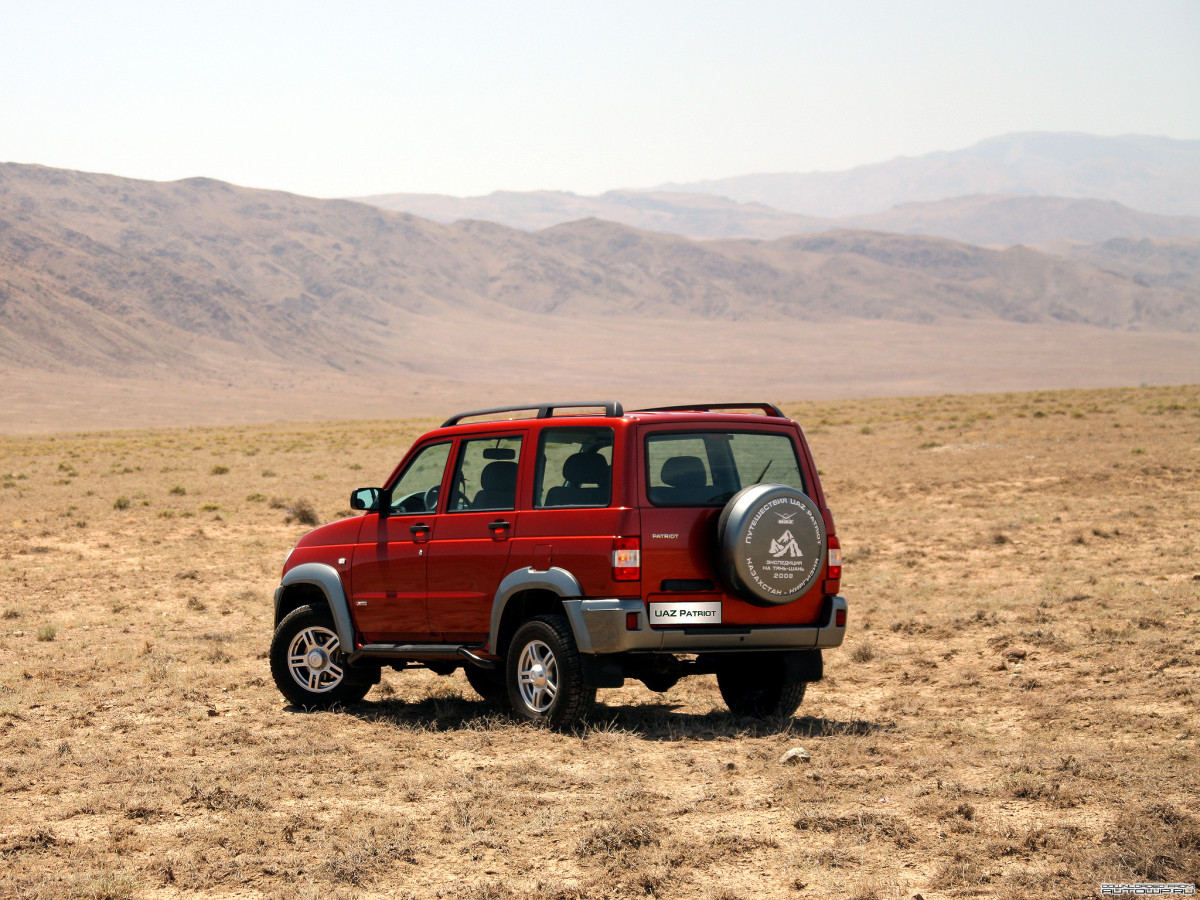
{"type": "Point", "coordinates": [600, 628]}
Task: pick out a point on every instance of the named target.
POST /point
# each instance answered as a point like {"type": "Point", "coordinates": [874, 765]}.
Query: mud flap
{"type": "Point", "coordinates": [803, 665]}
{"type": "Point", "coordinates": [602, 671]}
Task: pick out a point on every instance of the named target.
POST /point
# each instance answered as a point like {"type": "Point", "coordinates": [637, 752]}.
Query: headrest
{"type": "Point", "coordinates": [498, 476]}
{"type": "Point", "coordinates": [586, 468]}
{"type": "Point", "coordinates": [684, 472]}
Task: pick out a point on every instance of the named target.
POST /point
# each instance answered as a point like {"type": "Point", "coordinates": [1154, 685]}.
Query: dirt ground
{"type": "Point", "coordinates": [1014, 713]}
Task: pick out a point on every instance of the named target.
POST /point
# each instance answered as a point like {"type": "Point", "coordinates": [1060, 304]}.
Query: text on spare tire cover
{"type": "Point", "coordinates": [783, 569]}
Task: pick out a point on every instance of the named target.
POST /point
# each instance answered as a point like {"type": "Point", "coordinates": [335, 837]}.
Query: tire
{"type": "Point", "coordinates": [487, 683]}
{"type": "Point", "coordinates": [759, 691]}
{"type": "Point", "coordinates": [545, 675]}
{"type": "Point", "coordinates": [771, 544]}
{"type": "Point", "coordinates": [307, 662]}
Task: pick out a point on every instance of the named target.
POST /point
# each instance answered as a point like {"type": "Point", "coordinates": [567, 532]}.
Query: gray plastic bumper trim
{"type": "Point", "coordinates": [599, 627]}
{"type": "Point", "coordinates": [327, 579]}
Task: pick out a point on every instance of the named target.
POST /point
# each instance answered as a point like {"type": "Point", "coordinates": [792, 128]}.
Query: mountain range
{"type": "Point", "coordinates": [1019, 189]}
{"type": "Point", "coordinates": [120, 297]}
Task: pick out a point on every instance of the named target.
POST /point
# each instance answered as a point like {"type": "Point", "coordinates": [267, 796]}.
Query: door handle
{"type": "Point", "coordinates": [498, 528]}
{"type": "Point", "coordinates": [418, 531]}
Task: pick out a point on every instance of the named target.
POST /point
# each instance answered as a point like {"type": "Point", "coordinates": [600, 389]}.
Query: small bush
{"type": "Point", "coordinates": [181, 490]}
{"type": "Point", "coordinates": [304, 512]}
{"type": "Point", "coordinates": [863, 652]}
{"type": "Point", "coordinates": [219, 470]}
{"type": "Point", "coordinates": [47, 633]}
{"type": "Point", "coordinates": [121, 503]}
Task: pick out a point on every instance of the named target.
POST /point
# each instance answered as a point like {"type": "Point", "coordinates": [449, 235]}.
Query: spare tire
{"type": "Point", "coordinates": [771, 544]}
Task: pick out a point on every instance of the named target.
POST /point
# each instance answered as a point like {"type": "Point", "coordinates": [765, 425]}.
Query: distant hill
{"type": "Point", "coordinates": [690, 215]}
{"type": "Point", "coordinates": [1007, 221]}
{"type": "Point", "coordinates": [112, 275]}
{"type": "Point", "coordinates": [986, 220]}
{"type": "Point", "coordinates": [1155, 174]}
{"type": "Point", "coordinates": [1152, 263]}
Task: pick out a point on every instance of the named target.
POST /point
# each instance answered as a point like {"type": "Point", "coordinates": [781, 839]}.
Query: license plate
{"type": "Point", "coordinates": [707, 612]}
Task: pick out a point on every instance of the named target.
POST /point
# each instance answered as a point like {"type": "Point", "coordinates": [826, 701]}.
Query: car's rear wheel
{"type": "Point", "coordinates": [307, 661]}
{"type": "Point", "coordinates": [545, 675]}
{"type": "Point", "coordinates": [759, 691]}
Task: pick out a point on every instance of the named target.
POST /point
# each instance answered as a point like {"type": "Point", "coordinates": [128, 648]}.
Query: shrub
{"type": "Point", "coordinates": [121, 503]}
{"type": "Point", "coordinates": [304, 512]}
{"type": "Point", "coordinates": [47, 633]}
{"type": "Point", "coordinates": [863, 652]}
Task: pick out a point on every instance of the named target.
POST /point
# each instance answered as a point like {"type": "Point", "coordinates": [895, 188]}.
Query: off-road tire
{"type": "Point", "coordinates": [487, 683]}
{"type": "Point", "coordinates": [771, 544]}
{"type": "Point", "coordinates": [544, 674]}
{"type": "Point", "coordinates": [307, 662]}
{"type": "Point", "coordinates": [762, 694]}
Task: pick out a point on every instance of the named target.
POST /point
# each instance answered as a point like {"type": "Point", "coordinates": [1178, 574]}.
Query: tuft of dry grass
{"type": "Point", "coordinates": [1009, 717]}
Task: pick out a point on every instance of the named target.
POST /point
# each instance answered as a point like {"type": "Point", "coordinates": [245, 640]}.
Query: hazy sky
{"type": "Point", "coordinates": [354, 98]}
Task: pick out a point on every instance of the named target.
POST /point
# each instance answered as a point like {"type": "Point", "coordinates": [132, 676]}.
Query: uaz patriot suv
{"type": "Point", "coordinates": [550, 550]}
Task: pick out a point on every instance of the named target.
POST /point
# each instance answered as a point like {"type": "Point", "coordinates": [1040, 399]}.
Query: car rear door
{"type": "Point", "coordinates": [689, 473]}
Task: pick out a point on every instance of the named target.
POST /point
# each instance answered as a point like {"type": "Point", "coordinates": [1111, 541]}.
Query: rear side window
{"type": "Point", "coordinates": [707, 468]}
{"type": "Point", "coordinates": [574, 468]}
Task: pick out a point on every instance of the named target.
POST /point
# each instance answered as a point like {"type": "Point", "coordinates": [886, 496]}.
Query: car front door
{"type": "Point", "coordinates": [388, 572]}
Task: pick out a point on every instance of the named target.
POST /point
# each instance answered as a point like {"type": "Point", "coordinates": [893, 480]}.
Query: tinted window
{"type": "Point", "coordinates": [486, 474]}
{"type": "Point", "coordinates": [417, 489]}
{"type": "Point", "coordinates": [707, 468]}
{"type": "Point", "coordinates": [574, 468]}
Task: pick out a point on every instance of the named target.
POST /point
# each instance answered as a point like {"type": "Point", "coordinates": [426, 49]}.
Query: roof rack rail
{"type": "Point", "coordinates": [768, 409]}
{"type": "Point", "coordinates": [612, 409]}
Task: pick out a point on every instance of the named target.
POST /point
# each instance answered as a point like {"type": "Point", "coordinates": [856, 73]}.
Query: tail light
{"type": "Point", "coordinates": [626, 559]}
{"type": "Point", "coordinates": [833, 567]}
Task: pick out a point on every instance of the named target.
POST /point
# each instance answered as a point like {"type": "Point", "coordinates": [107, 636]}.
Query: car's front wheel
{"type": "Point", "coordinates": [307, 661]}
{"type": "Point", "coordinates": [545, 675]}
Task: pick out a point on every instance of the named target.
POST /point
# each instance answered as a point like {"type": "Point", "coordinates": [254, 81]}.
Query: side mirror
{"type": "Point", "coordinates": [365, 499]}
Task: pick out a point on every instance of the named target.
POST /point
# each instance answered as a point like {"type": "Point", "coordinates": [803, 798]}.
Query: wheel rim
{"type": "Point", "coordinates": [537, 676]}
{"type": "Point", "coordinates": [311, 659]}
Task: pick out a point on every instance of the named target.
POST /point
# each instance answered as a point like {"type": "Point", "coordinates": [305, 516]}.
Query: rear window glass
{"type": "Point", "coordinates": [574, 468]}
{"type": "Point", "coordinates": [707, 468]}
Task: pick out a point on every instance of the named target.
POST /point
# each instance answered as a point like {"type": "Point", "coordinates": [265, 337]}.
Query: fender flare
{"type": "Point", "coordinates": [327, 579]}
{"type": "Point", "coordinates": [555, 580]}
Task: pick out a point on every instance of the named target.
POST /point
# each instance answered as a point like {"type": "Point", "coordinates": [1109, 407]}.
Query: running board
{"type": "Point", "coordinates": [489, 664]}
{"type": "Point", "coordinates": [418, 652]}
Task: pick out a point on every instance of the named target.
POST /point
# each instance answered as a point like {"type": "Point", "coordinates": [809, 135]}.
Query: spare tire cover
{"type": "Point", "coordinates": [771, 541]}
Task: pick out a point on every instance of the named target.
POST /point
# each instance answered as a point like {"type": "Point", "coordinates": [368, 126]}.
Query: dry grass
{"type": "Point", "coordinates": [1014, 714]}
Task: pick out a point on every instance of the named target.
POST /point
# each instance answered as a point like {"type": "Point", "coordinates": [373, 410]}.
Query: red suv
{"type": "Point", "coordinates": [550, 550]}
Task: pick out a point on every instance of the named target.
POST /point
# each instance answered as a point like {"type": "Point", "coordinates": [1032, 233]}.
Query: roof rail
{"type": "Point", "coordinates": [612, 409]}
{"type": "Point", "coordinates": [768, 409]}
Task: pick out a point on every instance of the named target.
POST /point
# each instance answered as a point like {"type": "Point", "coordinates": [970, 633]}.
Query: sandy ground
{"type": "Point", "coordinates": [640, 363]}
{"type": "Point", "coordinates": [1014, 713]}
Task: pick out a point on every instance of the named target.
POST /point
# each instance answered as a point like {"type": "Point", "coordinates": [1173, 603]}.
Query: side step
{"type": "Point", "coordinates": [418, 652]}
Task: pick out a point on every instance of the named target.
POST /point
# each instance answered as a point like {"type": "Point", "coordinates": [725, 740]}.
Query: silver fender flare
{"type": "Point", "coordinates": [327, 579]}
{"type": "Point", "coordinates": [556, 581]}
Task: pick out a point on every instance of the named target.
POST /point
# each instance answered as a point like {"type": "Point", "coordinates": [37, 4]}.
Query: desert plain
{"type": "Point", "coordinates": [1015, 712]}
